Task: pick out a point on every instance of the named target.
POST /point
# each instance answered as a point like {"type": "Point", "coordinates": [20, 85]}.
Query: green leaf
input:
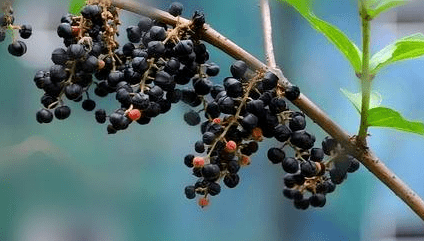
{"type": "Point", "coordinates": [332, 33]}
{"type": "Point", "coordinates": [376, 7]}
{"type": "Point", "coordinates": [356, 99]}
{"type": "Point", "coordinates": [75, 6]}
{"type": "Point", "coordinates": [406, 48]}
{"type": "Point", "coordinates": [385, 117]}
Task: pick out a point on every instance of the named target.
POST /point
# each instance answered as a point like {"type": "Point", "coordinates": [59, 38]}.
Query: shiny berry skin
{"type": "Point", "coordinates": [17, 48]}
{"type": "Point", "coordinates": [100, 116]}
{"type": "Point", "coordinates": [238, 69]}
{"type": "Point", "coordinates": [199, 147]}
{"type": "Point", "coordinates": [175, 9]}
{"type": "Point", "coordinates": [354, 165]}
{"type": "Point", "coordinates": [210, 172]}
{"type": "Point", "coordinates": [302, 139]}
{"type": "Point", "coordinates": [302, 204]}
{"type": "Point", "coordinates": [308, 168]}
{"type": "Point", "coordinates": [25, 31]}
{"type": "Point", "coordinates": [134, 114]}
{"type": "Point", "coordinates": [208, 138]}
{"type": "Point", "coordinates": [329, 144]}
{"type": "Point", "coordinates": [44, 116]}
{"type": "Point", "coordinates": [62, 112]}
{"type": "Point", "coordinates": [190, 192]}
{"type": "Point", "coordinates": [231, 180]}
{"type": "Point", "coordinates": [192, 118]}
{"type": "Point", "coordinates": [276, 155]}
{"type": "Point", "coordinates": [270, 81]}
{"type": "Point", "coordinates": [188, 160]}
{"type": "Point", "coordinates": [317, 200]}
{"type": "Point", "coordinates": [292, 93]}
{"type": "Point", "coordinates": [214, 188]}
{"type": "Point", "coordinates": [297, 123]}
{"type": "Point", "coordinates": [88, 105]}
{"type": "Point", "coordinates": [290, 165]}
{"type": "Point", "coordinates": [317, 154]}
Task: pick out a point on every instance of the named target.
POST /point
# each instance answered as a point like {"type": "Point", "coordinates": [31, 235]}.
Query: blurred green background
{"type": "Point", "coordinates": [70, 180]}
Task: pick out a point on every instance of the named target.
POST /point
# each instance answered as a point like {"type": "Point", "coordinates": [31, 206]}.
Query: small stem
{"type": "Point", "coordinates": [365, 76]}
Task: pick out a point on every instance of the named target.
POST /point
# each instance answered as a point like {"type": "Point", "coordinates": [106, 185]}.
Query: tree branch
{"type": "Point", "coordinates": [266, 24]}
{"type": "Point", "coordinates": [363, 154]}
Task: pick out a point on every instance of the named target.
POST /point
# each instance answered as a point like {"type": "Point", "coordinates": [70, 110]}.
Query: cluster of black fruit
{"type": "Point", "coordinates": [143, 74]}
{"type": "Point", "coordinates": [308, 176]}
{"type": "Point", "coordinates": [17, 47]}
{"type": "Point", "coordinates": [239, 113]}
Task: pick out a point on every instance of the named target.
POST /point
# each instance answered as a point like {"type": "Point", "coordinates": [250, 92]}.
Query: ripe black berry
{"type": "Point", "coordinates": [214, 188]}
{"type": "Point", "coordinates": [208, 138]}
{"type": "Point", "coordinates": [292, 92]}
{"type": "Point", "coordinates": [199, 147]}
{"type": "Point", "coordinates": [290, 165]}
{"type": "Point", "coordinates": [238, 69]}
{"type": "Point", "coordinates": [100, 116]}
{"type": "Point", "coordinates": [44, 116]}
{"type": "Point", "coordinates": [192, 118]}
{"type": "Point", "coordinates": [188, 160]}
{"type": "Point", "coordinates": [302, 139]}
{"type": "Point", "coordinates": [190, 192]}
{"type": "Point", "coordinates": [175, 9]}
{"type": "Point", "coordinates": [231, 180]}
{"type": "Point", "coordinates": [301, 203]}
{"type": "Point", "coordinates": [210, 172]}
{"type": "Point", "coordinates": [297, 123]}
{"type": "Point", "coordinates": [317, 200]}
{"type": "Point", "coordinates": [276, 155]}
{"type": "Point", "coordinates": [88, 105]}
{"type": "Point", "coordinates": [25, 31]}
{"type": "Point", "coordinates": [308, 168]}
{"type": "Point", "coordinates": [317, 154]}
{"type": "Point", "coordinates": [62, 112]}
{"type": "Point", "coordinates": [17, 48]}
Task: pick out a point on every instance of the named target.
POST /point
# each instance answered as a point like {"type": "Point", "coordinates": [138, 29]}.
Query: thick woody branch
{"type": "Point", "coordinates": [363, 154]}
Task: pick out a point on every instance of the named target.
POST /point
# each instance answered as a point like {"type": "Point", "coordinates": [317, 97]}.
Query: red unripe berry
{"type": "Point", "coordinates": [245, 160]}
{"type": "Point", "coordinates": [216, 120]}
{"type": "Point", "coordinates": [198, 161]}
{"type": "Point", "coordinates": [134, 114]}
{"type": "Point", "coordinates": [231, 146]}
{"type": "Point", "coordinates": [257, 134]}
{"type": "Point", "coordinates": [101, 64]}
{"type": "Point", "coordinates": [75, 30]}
{"type": "Point", "coordinates": [203, 202]}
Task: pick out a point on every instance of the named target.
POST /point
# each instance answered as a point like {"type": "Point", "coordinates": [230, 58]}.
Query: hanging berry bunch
{"type": "Point", "coordinates": [246, 109]}
{"type": "Point", "coordinates": [145, 75]}
{"type": "Point", "coordinates": [17, 47]}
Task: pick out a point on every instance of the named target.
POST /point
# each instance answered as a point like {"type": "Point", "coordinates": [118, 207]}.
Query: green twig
{"type": "Point", "coordinates": [365, 75]}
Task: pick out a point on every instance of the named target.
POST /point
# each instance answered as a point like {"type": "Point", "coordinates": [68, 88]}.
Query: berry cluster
{"type": "Point", "coordinates": [308, 172]}
{"type": "Point", "coordinates": [17, 47]}
{"type": "Point", "coordinates": [144, 74]}
{"type": "Point", "coordinates": [247, 108]}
